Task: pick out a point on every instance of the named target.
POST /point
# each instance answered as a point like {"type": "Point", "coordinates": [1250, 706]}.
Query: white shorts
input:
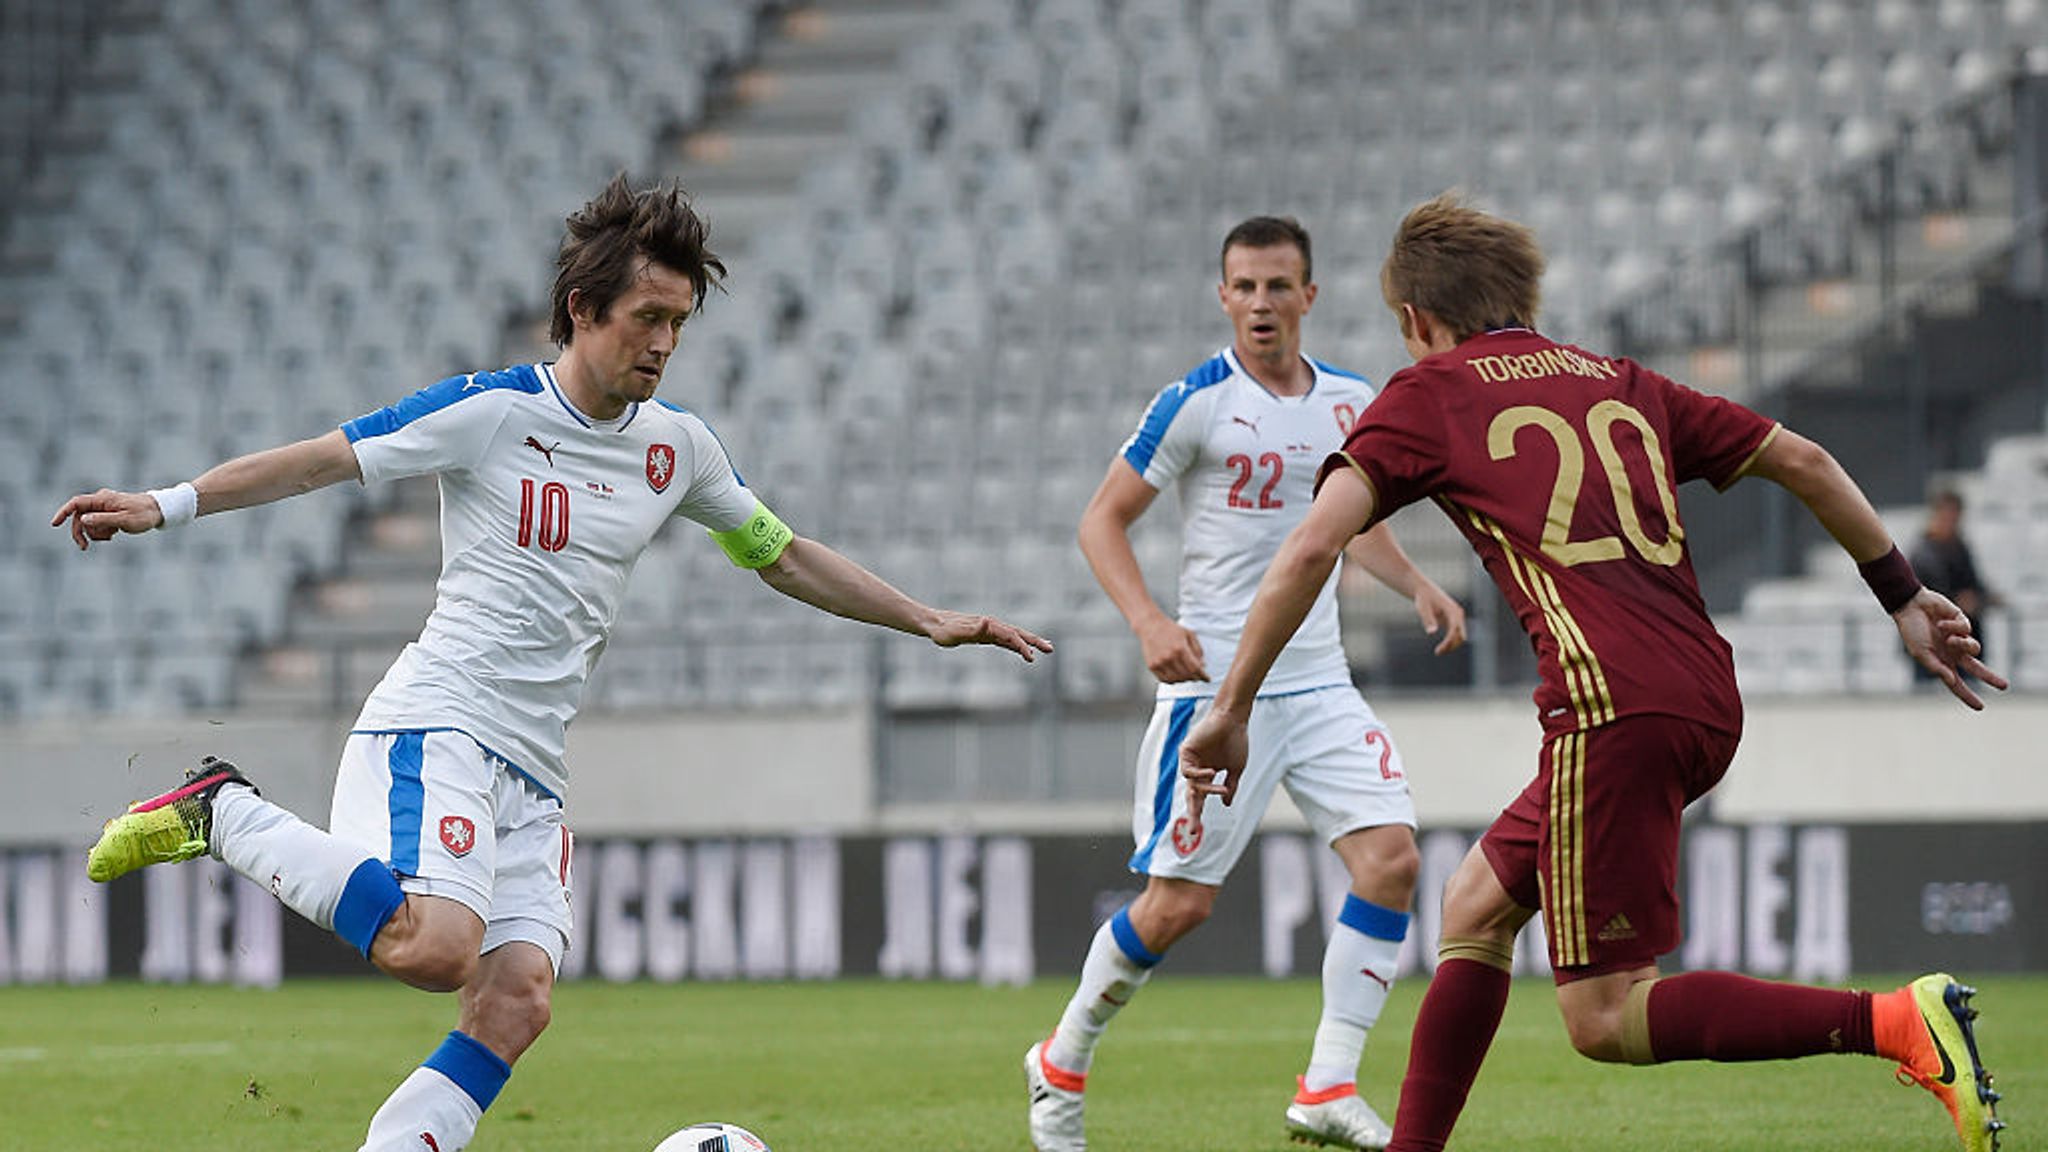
{"type": "Point", "coordinates": [1339, 764]}
{"type": "Point", "coordinates": [454, 820]}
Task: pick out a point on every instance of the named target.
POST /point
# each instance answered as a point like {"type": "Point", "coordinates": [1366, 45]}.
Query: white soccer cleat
{"type": "Point", "coordinates": [1056, 1104]}
{"type": "Point", "coordinates": [1336, 1117]}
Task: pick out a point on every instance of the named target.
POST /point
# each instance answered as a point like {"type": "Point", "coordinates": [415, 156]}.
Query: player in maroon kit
{"type": "Point", "coordinates": [1559, 465]}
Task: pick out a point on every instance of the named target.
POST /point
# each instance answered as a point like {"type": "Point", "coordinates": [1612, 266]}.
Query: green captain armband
{"type": "Point", "coordinates": [758, 542]}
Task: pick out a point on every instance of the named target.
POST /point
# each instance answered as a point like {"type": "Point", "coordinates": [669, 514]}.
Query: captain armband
{"type": "Point", "coordinates": [758, 542]}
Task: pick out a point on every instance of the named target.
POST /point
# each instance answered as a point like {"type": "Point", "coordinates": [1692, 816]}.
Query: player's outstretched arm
{"type": "Point", "coordinates": [1173, 654]}
{"type": "Point", "coordinates": [815, 574]}
{"type": "Point", "coordinates": [1935, 632]}
{"type": "Point", "coordinates": [1380, 554]}
{"type": "Point", "coordinates": [258, 478]}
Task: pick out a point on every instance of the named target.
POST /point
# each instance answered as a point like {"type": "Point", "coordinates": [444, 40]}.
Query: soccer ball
{"type": "Point", "coordinates": [713, 1137]}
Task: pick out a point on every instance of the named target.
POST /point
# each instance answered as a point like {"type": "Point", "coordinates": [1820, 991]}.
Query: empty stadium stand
{"type": "Point", "coordinates": [968, 242]}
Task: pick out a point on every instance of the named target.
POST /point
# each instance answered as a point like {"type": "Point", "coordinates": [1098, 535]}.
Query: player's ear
{"type": "Point", "coordinates": [1308, 297]}
{"type": "Point", "coordinates": [1406, 314]}
{"type": "Point", "coordinates": [579, 307]}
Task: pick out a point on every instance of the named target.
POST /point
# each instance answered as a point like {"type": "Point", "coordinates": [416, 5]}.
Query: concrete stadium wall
{"type": "Point", "coordinates": [1854, 760]}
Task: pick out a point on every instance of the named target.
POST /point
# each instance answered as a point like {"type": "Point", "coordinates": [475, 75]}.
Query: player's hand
{"type": "Point", "coordinates": [1441, 613]}
{"type": "Point", "coordinates": [952, 629]}
{"type": "Point", "coordinates": [97, 516]}
{"type": "Point", "coordinates": [1937, 636]}
{"type": "Point", "coordinates": [1172, 653]}
{"type": "Point", "coordinates": [1211, 760]}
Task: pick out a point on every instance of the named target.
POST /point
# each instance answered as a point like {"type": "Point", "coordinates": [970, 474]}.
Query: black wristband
{"type": "Point", "coordinates": [1891, 578]}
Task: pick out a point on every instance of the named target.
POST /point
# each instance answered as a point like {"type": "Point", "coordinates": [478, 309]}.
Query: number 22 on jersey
{"type": "Point", "coordinates": [1571, 467]}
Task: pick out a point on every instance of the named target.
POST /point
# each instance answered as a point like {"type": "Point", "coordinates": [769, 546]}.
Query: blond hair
{"type": "Point", "coordinates": [1472, 270]}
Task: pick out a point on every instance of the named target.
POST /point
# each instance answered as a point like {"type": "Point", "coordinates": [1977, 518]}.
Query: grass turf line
{"type": "Point", "coordinates": [1195, 1063]}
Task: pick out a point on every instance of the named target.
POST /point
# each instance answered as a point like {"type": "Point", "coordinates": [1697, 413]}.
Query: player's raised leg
{"type": "Point", "coordinates": [332, 882]}
{"type": "Point", "coordinates": [1925, 1026]}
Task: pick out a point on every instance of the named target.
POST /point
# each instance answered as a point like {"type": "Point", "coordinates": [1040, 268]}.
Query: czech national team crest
{"type": "Point", "coordinates": [1186, 836]}
{"type": "Point", "coordinates": [458, 835]}
{"type": "Point", "coordinates": [661, 466]}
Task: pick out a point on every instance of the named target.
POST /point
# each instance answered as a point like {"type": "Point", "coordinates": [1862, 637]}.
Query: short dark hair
{"type": "Point", "coordinates": [609, 239]}
{"type": "Point", "coordinates": [1271, 232]}
{"type": "Point", "coordinates": [1470, 269]}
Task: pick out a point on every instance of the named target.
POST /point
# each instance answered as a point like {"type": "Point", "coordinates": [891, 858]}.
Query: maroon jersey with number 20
{"type": "Point", "coordinates": [1560, 466]}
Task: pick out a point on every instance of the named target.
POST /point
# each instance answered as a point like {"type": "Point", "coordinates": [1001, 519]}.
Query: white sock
{"type": "Point", "coordinates": [331, 882]}
{"type": "Point", "coordinates": [1118, 964]}
{"type": "Point", "coordinates": [1358, 972]}
{"type": "Point", "coordinates": [437, 1108]}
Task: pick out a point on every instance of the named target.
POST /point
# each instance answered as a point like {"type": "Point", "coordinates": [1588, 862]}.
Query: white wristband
{"type": "Point", "coordinates": [179, 505]}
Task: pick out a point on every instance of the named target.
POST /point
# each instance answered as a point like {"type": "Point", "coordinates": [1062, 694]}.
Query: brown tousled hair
{"type": "Point", "coordinates": [611, 238]}
{"type": "Point", "coordinates": [1472, 270]}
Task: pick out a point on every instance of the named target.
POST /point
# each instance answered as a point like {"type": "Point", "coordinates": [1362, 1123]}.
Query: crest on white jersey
{"type": "Point", "coordinates": [458, 835]}
{"type": "Point", "coordinates": [661, 466]}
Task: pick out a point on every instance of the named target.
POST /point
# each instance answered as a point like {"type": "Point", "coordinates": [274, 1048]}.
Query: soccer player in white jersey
{"type": "Point", "coordinates": [1241, 437]}
{"type": "Point", "coordinates": [447, 859]}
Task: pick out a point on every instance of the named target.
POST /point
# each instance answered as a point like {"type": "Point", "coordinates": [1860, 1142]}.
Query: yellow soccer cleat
{"type": "Point", "coordinates": [1945, 1060]}
{"type": "Point", "coordinates": [162, 829]}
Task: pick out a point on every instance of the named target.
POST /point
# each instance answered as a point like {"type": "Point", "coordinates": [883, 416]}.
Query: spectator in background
{"type": "Point", "coordinates": [1942, 559]}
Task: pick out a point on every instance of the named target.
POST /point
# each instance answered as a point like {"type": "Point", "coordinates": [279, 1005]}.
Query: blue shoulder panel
{"type": "Point", "coordinates": [1333, 370]}
{"type": "Point", "coordinates": [435, 397]}
{"type": "Point", "coordinates": [680, 410]}
{"type": "Point", "coordinates": [1165, 406]}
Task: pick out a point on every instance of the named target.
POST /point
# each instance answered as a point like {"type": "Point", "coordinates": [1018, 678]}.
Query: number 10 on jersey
{"type": "Point", "coordinates": [553, 534]}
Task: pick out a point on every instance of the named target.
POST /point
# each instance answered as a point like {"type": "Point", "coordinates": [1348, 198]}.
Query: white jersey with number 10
{"type": "Point", "coordinates": [544, 512]}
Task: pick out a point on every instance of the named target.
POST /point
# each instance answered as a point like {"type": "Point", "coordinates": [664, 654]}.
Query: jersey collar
{"type": "Point", "coordinates": [1237, 367]}
{"type": "Point", "coordinates": [547, 373]}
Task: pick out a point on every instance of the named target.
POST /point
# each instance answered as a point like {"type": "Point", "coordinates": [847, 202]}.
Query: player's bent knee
{"type": "Point", "coordinates": [430, 961]}
{"type": "Point", "coordinates": [1596, 1042]}
{"type": "Point", "coordinates": [1403, 866]}
{"type": "Point", "coordinates": [1595, 1027]}
{"type": "Point", "coordinates": [518, 1017]}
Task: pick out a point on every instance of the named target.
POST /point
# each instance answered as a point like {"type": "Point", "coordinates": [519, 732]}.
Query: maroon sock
{"type": "Point", "coordinates": [1454, 1028]}
{"type": "Point", "coordinates": [1722, 1016]}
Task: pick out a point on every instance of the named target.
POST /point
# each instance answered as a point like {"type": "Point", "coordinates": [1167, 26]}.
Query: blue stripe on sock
{"type": "Point", "coordinates": [475, 1069]}
{"type": "Point", "coordinates": [1169, 771]}
{"type": "Point", "coordinates": [368, 900]}
{"type": "Point", "coordinates": [408, 801]}
{"type": "Point", "coordinates": [1127, 939]}
{"type": "Point", "coordinates": [1373, 920]}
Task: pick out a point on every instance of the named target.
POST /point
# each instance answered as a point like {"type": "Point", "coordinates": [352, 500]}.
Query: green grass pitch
{"type": "Point", "coordinates": [1193, 1064]}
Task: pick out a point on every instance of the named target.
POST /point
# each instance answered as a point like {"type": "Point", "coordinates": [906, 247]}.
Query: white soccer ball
{"type": "Point", "coordinates": [713, 1137]}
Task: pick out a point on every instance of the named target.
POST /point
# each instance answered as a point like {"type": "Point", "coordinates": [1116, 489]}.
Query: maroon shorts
{"type": "Point", "coordinates": [1593, 840]}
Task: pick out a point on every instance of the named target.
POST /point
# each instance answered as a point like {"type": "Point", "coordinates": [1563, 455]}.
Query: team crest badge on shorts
{"type": "Point", "coordinates": [661, 466]}
{"type": "Point", "coordinates": [458, 835]}
{"type": "Point", "coordinates": [1186, 837]}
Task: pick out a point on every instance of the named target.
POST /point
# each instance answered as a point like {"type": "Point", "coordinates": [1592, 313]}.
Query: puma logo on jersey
{"type": "Point", "coordinates": [547, 451]}
{"type": "Point", "coordinates": [1251, 424]}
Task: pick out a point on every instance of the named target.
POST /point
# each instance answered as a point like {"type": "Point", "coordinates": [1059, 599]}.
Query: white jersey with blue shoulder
{"type": "Point", "coordinates": [1245, 464]}
{"type": "Point", "coordinates": [544, 512]}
